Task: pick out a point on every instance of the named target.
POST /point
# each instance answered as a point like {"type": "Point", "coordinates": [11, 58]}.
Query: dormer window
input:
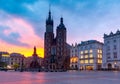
{"type": "Point", "coordinates": [114, 41]}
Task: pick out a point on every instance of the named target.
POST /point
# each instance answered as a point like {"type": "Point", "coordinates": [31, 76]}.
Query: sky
{"type": "Point", "coordinates": [22, 22]}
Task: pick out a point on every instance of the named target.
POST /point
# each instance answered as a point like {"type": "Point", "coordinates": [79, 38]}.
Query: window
{"type": "Point", "coordinates": [90, 51]}
{"type": "Point", "coordinates": [85, 47]}
{"type": "Point", "coordinates": [81, 52]}
{"type": "Point", "coordinates": [115, 54]}
{"type": "Point", "coordinates": [86, 51]}
{"type": "Point", "coordinates": [108, 48]}
{"type": "Point", "coordinates": [81, 56]}
{"type": "Point", "coordinates": [100, 56]}
{"type": "Point", "coordinates": [86, 56]}
{"type": "Point", "coordinates": [91, 61]}
{"type": "Point", "coordinates": [108, 55]}
{"type": "Point", "coordinates": [108, 41]}
{"type": "Point", "coordinates": [86, 61]}
{"type": "Point", "coordinates": [90, 46]}
{"type": "Point", "coordinates": [75, 59]}
{"type": "Point", "coordinates": [114, 47]}
{"type": "Point", "coordinates": [100, 51]}
{"type": "Point", "coordinates": [81, 61]}
{"type": "Point", "coordinates": [91, 56]}
{"type": "Point", "coordinates": [11, 63]}
{"type": "Point", "coordinates": [114, 41]}
{"type": "Point", "coordinates": [53, 51]}
{"type": "Point", "coordinates": [99, 61]}
{"type": "Point", "coordinates": [71, 60]}
{"type": "Point", "coordinates": [81, 47]}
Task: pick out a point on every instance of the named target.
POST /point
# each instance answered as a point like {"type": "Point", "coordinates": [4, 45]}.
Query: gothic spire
{"type": "Point", "coordinates": [61, 20]}
{"type": "Point", "coordinates": [49, 16]}
{"type": "Point", "coordinates": [49, 20]}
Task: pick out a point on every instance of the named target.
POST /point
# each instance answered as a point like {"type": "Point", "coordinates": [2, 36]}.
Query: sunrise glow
{"type": "Point", "coordinates": [22, 23]}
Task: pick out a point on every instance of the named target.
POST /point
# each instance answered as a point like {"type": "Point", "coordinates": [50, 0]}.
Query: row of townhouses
{"type": "Point", "coordinates": [18, 61]}
{"type": "Point", "coordinates": [94, 55]}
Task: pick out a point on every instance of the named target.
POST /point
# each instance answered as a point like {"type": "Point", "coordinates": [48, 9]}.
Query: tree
{"type": "Point", "coordinates": [16, 66]}
{"type": "Point", "coordinates": [3, 64]}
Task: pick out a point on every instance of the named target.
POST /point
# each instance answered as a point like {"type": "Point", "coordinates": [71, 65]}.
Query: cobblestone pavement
{"type": "Point", "coordinates": [80, 77]}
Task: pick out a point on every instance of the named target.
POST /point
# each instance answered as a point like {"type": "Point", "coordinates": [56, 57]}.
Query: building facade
{"type": "Point", "coordinates": [55, 48]}
{"type": "Point", "coordinates": [16, 60]}
{"type": "Point", "coordinates": [90, 55]}
{"type": "Point", "coordinates": [111, 54]}
{"type": "Point", "coordinates": [4, 59]}
{"type": "Point", "coordinates": [74, 57]}
{"type": "Point", "coordinates": [87, 55]}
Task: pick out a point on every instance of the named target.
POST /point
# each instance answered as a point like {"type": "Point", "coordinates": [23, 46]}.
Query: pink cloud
{"type": "Point", "coordinates": [25, 30]}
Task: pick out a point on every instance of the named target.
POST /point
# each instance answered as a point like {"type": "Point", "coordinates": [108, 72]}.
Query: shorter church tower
{"type": "Point", "coordinates": [61, 43]}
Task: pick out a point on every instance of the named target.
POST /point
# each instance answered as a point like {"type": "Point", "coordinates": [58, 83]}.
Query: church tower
{"type": "Point", "coordinates": [48, 39]}
{"type": "Point", "coordinates": [61, 43]}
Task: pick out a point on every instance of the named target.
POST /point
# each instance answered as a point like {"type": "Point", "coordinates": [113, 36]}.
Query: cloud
{"type": "Point", "coordinates": [83, 18]}
{"type": "Point", "coordinates": [19, 31]}
{"type": "Point", "coordinates": [21, 9]}
{"type": "Point", "coordinates": [15, 6]}
{"type": "Point", "coordinates": [11, 38]}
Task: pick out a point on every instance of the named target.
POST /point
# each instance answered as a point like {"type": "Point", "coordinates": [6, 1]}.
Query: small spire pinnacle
{"type": "Point", "coordinates": [61, 20]}
{"type": "Point", "coordinates": [49, 12]}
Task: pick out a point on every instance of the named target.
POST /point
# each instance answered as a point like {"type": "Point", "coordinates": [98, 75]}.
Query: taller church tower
{"type": "Point", "coordinates": [48, 38]}
{"type": "Point", "coordinates": [55, 48]}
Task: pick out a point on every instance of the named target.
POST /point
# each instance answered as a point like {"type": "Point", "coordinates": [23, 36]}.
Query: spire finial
{"type": "Point", "coordinates": [34, 49]}
{"type": "Point", "coordinates": [49, 11]}
{"type": "Point", "coordinates": [61, 20]}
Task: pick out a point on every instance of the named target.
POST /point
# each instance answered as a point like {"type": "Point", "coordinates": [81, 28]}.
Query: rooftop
{"type": "Point", "coordinates": [112, 34]}
{"type": "Point", "coordinates": [89, 42]}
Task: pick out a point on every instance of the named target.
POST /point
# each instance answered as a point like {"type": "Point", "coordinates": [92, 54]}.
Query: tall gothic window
{"type": "Point", "coordinates": [53, 51]}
